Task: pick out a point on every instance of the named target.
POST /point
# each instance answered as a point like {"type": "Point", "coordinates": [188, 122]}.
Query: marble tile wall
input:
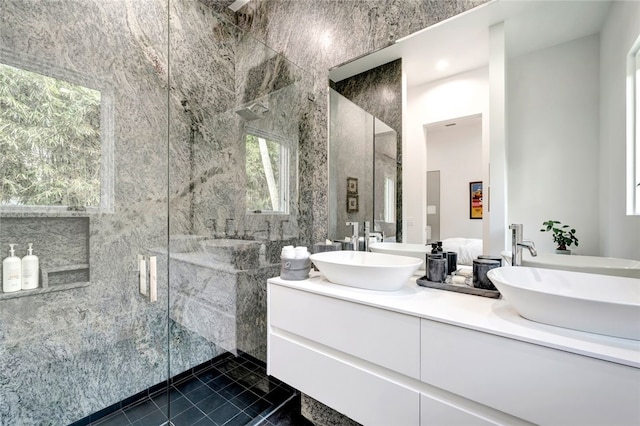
{"type": "Point", "coordinates": [65, 355]}
{"type": "Point", "coordinates": [179, 161]}
{"type": "Point", "coordinates": [351, 156]}
{"type": "Point", "coordinates": [379, 92]}
{"type": "Point", "coordinates": [319, 35]}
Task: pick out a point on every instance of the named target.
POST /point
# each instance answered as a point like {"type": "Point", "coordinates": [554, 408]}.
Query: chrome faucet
{"type": "Point", "coordinates": [354, 235]}
{"type": "Point", "coordinates": [517, 243]}
{"type": "Point", "coordinates": [367, 230]}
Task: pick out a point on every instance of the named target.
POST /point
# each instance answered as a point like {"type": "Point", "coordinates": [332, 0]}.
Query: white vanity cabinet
{"type": "Point", "coordinates": [348, 356]}
{"type": "Point", "coordinates": [387, 360]}
{"type": "Point", "coordinates": [542, 385]}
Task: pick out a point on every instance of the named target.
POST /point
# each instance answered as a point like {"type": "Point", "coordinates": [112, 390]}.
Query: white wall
{"type": "Point", "coordinates": [619, 234]}
{"type": "Point", "coordinates": [552, 141]}
{"type": "Point", "coordinates": [458, 96]}
{"type": "Point", "coordinates": [457, 152]}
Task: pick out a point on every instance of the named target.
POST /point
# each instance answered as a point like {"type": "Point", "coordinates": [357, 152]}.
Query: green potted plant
{"type": "Point", "coordinates": [563, 235]}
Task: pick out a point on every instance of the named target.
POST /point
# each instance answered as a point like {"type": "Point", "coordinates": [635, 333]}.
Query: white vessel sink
{"type": "Point", "coordinates": [371, 271]}
{"type": "Point", "coordinates": [598, 304]}
{"type": "Point", "coordinates": [590, 264]}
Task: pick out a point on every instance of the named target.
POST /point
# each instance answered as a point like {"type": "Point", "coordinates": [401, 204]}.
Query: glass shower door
{"type": "Point", "coordinates": [127, 147]}
{"type": "Point", "coordinates": [83, 178]}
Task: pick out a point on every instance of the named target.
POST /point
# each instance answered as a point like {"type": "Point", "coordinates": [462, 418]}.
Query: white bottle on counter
{"type": "Point", "coordinates": [30, 270]}
{"type": "Point", "coordinates": [11, 272]}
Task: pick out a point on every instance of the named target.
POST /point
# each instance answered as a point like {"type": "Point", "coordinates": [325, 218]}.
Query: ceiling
{"type": "Point", "coordinates": [463, 40]}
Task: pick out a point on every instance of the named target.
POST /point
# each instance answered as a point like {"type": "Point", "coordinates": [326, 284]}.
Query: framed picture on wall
{"type": "Point", "coordinates": [352, 186]}
{"type": "Point", "coordinates": [475, 200]}
{"type": "Point", "coordinates": [352, 203]}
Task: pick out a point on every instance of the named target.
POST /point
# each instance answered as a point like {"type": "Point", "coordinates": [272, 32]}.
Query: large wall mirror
{"type": "Point", "coordinates": [56, 139]}
{"type": "Point", "coordinates": [362, 171]}
{"type": "Point", "coordinates": [547, 80]}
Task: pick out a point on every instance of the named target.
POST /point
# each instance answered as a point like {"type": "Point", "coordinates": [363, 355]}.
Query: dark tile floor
{"type": "Point", "coordinates": [231, 391]}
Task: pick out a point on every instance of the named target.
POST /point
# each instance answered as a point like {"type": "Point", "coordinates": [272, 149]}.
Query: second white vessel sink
{"type": "Point", "coordinates": [371, 271]}
{"type": "Point", "coordinates": [589, 264]}
{"type": "Point", "coordinates": [600, 304]}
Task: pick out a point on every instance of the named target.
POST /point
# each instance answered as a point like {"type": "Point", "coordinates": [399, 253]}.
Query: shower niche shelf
{"type": "Point", "coordinates": [62, 247]}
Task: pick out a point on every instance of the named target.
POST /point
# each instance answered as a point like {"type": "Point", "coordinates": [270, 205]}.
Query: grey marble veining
{"type": "Point", "coordinates": [57, 242]}
{"type": "Point", "coordinates": [176, 84]}
{"type": "Point", "coordinates": [318, 35]}
{"type": "Point", "coordinates": [323, 415]}
{"type": "Point", "coordinates": [379, 92]}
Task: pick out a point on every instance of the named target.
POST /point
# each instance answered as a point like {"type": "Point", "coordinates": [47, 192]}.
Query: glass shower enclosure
{"type": "Point", "coordinates": [148, 153]}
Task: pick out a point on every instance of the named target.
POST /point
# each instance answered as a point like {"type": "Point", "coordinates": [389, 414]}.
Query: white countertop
{"type": "Point", "coordinates": [493, 316]}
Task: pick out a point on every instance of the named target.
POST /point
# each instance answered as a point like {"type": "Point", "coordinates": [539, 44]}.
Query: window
{"type": "Point", "coordinates": [55, 142]}
{"type": "Point", "coordinates": [267, 169]}
{"type": "Point", "coordinates": [389, 200]}
{"type": "Point", "coordinates": [633, 130]}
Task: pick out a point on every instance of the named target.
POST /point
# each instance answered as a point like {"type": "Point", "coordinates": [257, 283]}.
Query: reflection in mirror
{"type": "Point", "coordinates": [51, 140]}
{"type": "Point", "coordinates": [633, 130]}
{"type": "Point", "coordinates": [362, 171]}
{"type": "Point", "coordinates": [560, 101]}
{"type": "Point", "coordinates": [454, 159]}
{"type": "Point", "coordinates": [351, 136]}
{"type": "Point", "coordinates": [385, 177]}
{"type": "Point", "coordinates": [267, 167]}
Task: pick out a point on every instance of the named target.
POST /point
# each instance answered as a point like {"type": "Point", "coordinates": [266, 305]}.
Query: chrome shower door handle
{"type": "Point", "coordinates": [153, 280]}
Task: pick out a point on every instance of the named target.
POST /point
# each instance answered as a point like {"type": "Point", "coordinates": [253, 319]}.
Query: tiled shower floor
{"type": "Point", "coordinates": [230, 391]}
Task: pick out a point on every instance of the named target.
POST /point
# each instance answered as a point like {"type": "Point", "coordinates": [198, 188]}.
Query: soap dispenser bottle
{"type": "Point", "coordinates": [30, 270]}
{"type": "Point", "coordinates": [11, 272]}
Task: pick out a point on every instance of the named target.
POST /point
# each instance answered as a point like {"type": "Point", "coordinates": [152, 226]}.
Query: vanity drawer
{"type": "Point", "coordinates": [361, 394]}
{"type": "Point", "coordinates": [382, 337]}
{"type": "Point", "coordinates": [434, 412]}
{"type": "Point", "coordinates": [535, 383]}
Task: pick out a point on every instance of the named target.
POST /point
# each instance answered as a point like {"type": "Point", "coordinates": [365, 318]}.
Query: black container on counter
{"type": "Point", "coordinates": [452, 261]}
{"type": "Point", "coordinates": [436, 268]}
{"type": "Point", "coordinates": [480, 269]}
{"type": "Point", "coordinates": [491, 257]}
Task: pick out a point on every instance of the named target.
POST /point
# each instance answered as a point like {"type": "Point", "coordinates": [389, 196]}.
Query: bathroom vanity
{"type": "Point", "coordinates": [421, 356]}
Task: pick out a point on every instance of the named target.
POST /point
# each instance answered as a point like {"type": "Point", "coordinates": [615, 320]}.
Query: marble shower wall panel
{"type": "Point", "coordinates": [385, 166]}
{"type": "Point", "coordinates": [318, 35]}
{"type": "Point", "coordinates": [215, 68]}
{"type": "Point", "coordinates": [204, 301]}
{"type": "Point", "coordinates": [65, 355]}
{"type": "Point", "coordinates": [219, 303]}
{"type": "Point", "coordinates": [379, 92]}
{"type": "Point", "coordinates": [252, 310]}
{"type": "Point", "coordinates": [351, 156]}
{"type": "Point", "coordinates": [56, 241]}
{"type": "Point", "coordinates": [202, 130]}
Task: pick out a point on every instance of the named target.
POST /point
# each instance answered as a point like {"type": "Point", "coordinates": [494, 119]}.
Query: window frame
{"type": "Point", "coordinates": [107, 134]}
{"type": "Point", "coordinates": [284, 188]}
